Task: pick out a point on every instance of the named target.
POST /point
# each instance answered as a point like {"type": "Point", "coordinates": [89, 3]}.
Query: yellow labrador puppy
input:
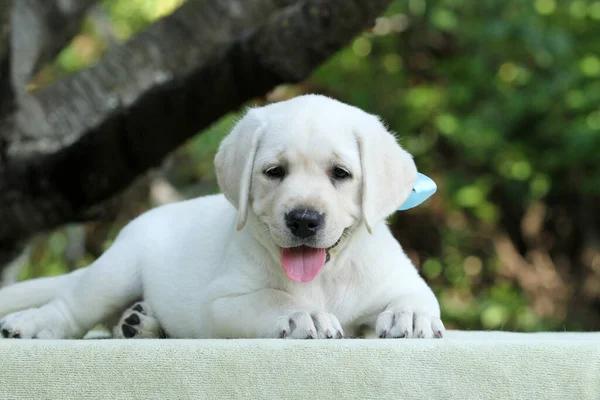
{"type": "Point", "coordinates": [297, 247]}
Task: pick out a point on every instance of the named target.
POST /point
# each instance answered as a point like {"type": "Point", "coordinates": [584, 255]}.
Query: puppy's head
{"type": "Point", "coordinates": [312, 170]}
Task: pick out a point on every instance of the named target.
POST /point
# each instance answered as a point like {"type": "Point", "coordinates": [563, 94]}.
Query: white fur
{"type": "Point", "coordinates": [210, 268]}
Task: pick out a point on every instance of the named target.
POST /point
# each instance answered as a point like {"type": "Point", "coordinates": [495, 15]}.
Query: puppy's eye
{"type": "Point", "coordinates": [340, 173]}
{"type": "Point", "coordinates": [275, 172]}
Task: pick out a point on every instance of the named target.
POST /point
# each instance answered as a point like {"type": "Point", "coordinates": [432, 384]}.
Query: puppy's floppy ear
{"type": "Point", "coordinates": [234, 162]}
{"type": "Point", "coordinates": [388, 171]}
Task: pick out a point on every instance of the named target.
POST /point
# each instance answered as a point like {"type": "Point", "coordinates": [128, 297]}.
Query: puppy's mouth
{"type": "Point", "coordinates": [303, 263]}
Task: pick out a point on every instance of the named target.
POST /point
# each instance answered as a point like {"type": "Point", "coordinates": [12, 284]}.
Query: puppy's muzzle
{"type": "Point", "coordinates": [304, 223]}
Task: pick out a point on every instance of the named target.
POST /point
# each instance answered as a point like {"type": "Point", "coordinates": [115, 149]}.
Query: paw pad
{"type": "Point", "coordinates": [133, 319]}
{"type": "Point", "coordinates": [128, 331]}
{"type": "Point", "coordinates": [139, 308]}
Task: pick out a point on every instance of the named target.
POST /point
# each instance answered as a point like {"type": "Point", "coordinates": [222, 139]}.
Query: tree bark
{"type": "Point", "coordinates": [7, 97]}
{"type": "Point", "coordinates": [41, 29]}
{"type": "Point", "coordinates": [80, 141]}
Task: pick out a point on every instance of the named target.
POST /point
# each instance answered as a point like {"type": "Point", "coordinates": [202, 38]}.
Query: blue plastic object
{"type": "Point", "coordinates": [423, 189]}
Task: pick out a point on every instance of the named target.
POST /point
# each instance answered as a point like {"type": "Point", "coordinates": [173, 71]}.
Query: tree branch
{"type": "Point", "coordinates": [6, 87]}
{"type": "Point", "coordinates": [42, 28]}
{"type": "Point", "coordinates": [96, 131]}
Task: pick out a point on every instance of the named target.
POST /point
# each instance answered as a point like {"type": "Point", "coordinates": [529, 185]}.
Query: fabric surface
{"type": "Point", "coordinates": [464, 365]}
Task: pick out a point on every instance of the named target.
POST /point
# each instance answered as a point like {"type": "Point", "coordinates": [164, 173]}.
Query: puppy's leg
{"type": "Point", "coordinates": [107, 286]}
{"type": "Point", "coordinates": [138, 322]}
{"type": "Point", "coordinates": [35, 292]}
{"type": "Point", "coordinates": [271, 313]}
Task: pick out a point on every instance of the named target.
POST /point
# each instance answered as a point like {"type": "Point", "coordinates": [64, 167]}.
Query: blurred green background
{"type": "Point", "coordinates": [499, 102]}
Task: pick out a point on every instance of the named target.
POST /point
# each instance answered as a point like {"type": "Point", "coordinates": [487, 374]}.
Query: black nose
{"type": "Point", "coordinates": [304, 223]}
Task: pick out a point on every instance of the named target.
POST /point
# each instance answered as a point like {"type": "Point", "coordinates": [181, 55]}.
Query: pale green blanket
{"type": "Point", "coordinates": [464, 365]}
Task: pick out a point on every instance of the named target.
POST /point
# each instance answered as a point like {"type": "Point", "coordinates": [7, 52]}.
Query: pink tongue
{"type": "Point", "coordinates": [302, 264]}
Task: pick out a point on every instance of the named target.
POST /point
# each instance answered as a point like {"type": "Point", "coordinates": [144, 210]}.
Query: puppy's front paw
{"type": "Point", "coordinates": [309, 325]}
{"type": "Point", "coordinates": [404, 323]}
